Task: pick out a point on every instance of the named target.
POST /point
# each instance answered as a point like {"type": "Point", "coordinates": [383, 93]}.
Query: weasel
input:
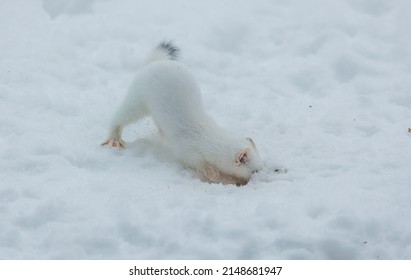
{"type": "Point", "coordinates": [166, 90]}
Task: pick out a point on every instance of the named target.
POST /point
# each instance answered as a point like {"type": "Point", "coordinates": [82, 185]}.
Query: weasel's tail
{"type": "Point", "coordinates": [166, 50]}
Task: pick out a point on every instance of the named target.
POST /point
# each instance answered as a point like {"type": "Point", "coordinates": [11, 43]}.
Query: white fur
{"type": "Point", "coordinates": [167, 91]}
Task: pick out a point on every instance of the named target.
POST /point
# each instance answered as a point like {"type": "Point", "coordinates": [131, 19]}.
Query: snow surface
{"type": "Point", "coordinates": [323, 87]}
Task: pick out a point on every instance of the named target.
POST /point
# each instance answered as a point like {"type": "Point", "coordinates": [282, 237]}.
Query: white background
{"type": "Point", "coordinates": [321, 270]}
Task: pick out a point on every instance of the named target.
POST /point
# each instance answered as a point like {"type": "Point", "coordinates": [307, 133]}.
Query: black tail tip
{"type": "Point", "coordinates": [172, 50]}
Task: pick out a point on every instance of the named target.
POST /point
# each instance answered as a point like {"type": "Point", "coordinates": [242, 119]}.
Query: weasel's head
{"type": "Point", "coordinates": [248, 161]}
{"type": "Point", "coordinates": [240, 166]}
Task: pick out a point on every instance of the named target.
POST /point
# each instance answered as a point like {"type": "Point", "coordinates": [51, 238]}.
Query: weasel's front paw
{"type": "Point", "coordinates": [118, 143]}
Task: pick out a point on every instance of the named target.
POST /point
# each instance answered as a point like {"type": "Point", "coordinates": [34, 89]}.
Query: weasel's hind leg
{"type": "Point", "coordinates": [126, 114]}
{"type": "Point", "coordinates": [114, 139]}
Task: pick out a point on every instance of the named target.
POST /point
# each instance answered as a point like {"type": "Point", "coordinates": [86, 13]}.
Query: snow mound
{"type": "Point", "coordinates": [323, 88]}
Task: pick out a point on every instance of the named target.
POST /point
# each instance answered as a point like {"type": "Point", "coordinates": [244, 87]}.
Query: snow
{"type": "Point", "coordinates": [323, 88]}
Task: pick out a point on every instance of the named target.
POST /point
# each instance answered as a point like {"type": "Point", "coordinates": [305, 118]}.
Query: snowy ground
{"type": "Point", "coordinates": [323, 87]}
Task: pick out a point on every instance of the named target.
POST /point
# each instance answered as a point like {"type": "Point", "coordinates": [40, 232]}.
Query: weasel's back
{"type": "Point", "coordinates": [171, 95]}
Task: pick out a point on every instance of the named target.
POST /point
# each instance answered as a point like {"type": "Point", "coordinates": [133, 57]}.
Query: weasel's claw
{"type": "Point", "coordinates": [114, 143]}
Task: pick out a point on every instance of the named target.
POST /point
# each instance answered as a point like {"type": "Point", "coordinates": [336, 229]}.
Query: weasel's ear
{"type": "Point", "coordinates": [251, 142]}
{"type": "Point", "coordinates": [211, 173]}
{"type": "Point", "coordinates": [242, 157]}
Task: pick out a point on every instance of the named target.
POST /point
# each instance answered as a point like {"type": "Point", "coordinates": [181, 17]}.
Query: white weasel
{"type": "Point", "coordinates": [166, 90]}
